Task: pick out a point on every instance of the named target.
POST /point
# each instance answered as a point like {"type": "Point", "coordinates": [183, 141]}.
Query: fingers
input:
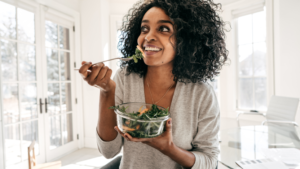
{"type": "Point", "coordinates": [129, 138]}
{"type": "Point", "coordinates": [95, 71]}
{"type": "Point", "coordinates": [122, 134]}
{"type": "Point", "coordinates": [102, 73]}
{"type": "Point", "coordinates": [105, 79]}
{"type": "Point", "coordinates": [134, 139]}
{"type": "Point", "coordinates": [83, 70]}
{"type": "Point", "coordinates": [169, 125]}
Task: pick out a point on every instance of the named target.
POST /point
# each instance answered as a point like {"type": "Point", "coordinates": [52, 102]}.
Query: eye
{"type": "Point", "coordinates": [164, 29]}
{"type": "Point", "coordinates": [143, 29]}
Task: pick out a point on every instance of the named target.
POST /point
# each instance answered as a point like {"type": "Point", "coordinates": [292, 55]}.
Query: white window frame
{"type": "Point", "coordinates": [231, 11]}
{"type": "Point", "coordinates": [269, 45]}
{"type": "Point", "coordinates": [66, 13]}
{"type": "Point", "coordinates": [237, 62]}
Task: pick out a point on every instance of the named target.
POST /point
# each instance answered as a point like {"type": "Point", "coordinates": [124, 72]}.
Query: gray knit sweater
{"type": "Point", "coordinates": [195, 125]}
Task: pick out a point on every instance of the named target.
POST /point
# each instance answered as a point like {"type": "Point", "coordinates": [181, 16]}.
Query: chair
{"type": "Point", "coordinates": [280, 110]}
{"type": "Point", "coordinates": [32, 161]}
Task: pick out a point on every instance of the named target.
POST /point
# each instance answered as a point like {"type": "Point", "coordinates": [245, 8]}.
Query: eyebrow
{"type": "Point", "coordinates": [160, 21]}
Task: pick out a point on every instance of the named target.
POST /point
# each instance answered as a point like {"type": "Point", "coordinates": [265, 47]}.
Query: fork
{"type": "Point", "coordinates": [123, 59]}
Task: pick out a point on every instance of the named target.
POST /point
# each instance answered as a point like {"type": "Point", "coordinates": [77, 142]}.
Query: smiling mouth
{"type": "Point", "coordinates": [152, 49]}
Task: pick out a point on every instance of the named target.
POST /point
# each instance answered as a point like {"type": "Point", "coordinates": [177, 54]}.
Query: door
{"type": "Point", "coordinates": [20, 84]}
{"type": "Point", "coordinates": [58, 87]}
{"type": "Point", "coordinates": [36, 83]}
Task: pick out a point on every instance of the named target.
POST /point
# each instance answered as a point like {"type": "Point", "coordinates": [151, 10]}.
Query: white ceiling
{"type": "Point", "coordinates": [225, 2]}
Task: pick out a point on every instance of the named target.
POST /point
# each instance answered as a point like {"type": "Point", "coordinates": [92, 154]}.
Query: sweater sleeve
{"type": "Point", "coordinates": [205, 143]}
{"type": "Point", "coordinates": [110, 149]}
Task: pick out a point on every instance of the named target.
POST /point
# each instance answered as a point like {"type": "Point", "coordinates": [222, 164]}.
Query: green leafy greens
{"type": "Point", "coordinates": [142, 129]}
{"type": "Point", "coordinates": [138, 55]}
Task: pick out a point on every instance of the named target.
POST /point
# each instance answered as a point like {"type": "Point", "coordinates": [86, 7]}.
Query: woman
{"type": "Point", "coordinates": [183, 43]}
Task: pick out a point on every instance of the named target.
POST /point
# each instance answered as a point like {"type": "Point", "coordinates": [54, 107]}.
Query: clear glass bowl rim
{"type": "Point", "coordinates": [159, 119]}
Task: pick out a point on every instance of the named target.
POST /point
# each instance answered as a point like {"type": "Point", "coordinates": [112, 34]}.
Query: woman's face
{"type": "Point", "coordinates": [156, 29]}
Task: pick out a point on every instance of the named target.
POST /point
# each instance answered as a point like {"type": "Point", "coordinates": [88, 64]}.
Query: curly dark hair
{"type": "Point", "coordinates": [200, 38]}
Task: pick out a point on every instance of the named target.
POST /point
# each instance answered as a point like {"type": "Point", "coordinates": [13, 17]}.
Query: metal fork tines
{"type": "Point", "coordinates": [123, 59]}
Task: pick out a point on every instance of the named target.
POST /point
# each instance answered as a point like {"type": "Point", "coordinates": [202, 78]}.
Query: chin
{"type": "Point", "coordinates": [153, 62]}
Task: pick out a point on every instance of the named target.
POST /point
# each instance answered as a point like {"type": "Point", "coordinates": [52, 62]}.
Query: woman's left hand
{"type": "Point", "coordinates": [162, 142]}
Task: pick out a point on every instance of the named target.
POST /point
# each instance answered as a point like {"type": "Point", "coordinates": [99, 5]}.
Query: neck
{"type": "Point", "coordinates": [160, 76]}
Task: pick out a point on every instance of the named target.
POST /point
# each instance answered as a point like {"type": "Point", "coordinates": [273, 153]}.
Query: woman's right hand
{"type": "Point", "coordinates": [98, 77]}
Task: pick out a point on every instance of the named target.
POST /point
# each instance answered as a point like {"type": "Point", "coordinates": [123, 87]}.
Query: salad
{"type": "Point", "coordinates": [139, 54]}
{"type": "Point", "coordinates": [144, 123]}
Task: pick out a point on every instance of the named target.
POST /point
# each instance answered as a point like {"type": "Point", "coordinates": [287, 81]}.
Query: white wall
{"type": "Point", "coordinates": [95, 34]}
{"type": "Point", "coordinates": [73, 4]}
{"type": "Point", "coordinates": [1, 146]}
{"type": "Point", "coordinates": [91, 51]}
{"type": "Point", "coordinates": [287, 49]}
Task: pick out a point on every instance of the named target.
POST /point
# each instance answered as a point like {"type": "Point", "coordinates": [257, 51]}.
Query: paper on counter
{"type": "Point", "coordinates": [289, 156]}
{"type": "Point", "coordinates": [261, 164]}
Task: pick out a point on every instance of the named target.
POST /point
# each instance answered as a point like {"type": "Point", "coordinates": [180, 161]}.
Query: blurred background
{"type": "Point", "coordinates": [43, 99]}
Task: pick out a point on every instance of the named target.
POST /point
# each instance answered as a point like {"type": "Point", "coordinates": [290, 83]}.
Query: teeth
{"type": "Point", "coordinates": [152, 49]}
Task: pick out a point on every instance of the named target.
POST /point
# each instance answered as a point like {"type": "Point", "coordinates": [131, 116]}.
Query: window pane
{"type": "Point", "coordinates": [259, 26]}
{"type": "Point", "coordinates": [260, 89]}
{"type": "Point", "coordinates": [9, 61]}
{"type": "Point", "coordinates": [12, 144]}
{"type": "Point", "coordinates": [245, 29]}
{"type": "Point", "coordinates": [65, 66]}
{"type": "Point", "coordinates": [55, 132]}
{"type": "Point", "coordinates": [64, 40]}
{"type": "Point", "coordinates": [30, 132]}
{"type": "Point", "coordinates": [51, 34]}
{"type": "Point", "coordinates": [259, 59]}
{"type": "Point", "coordinates": [53, 98]}
{"type": "Point", "coordinates": [67, 128]}
{"type": "Point", "coordinates": [245, 93]}
{"type": "Point", "coordinates": [66, 97]}
{"type": "Point", "coordinates": [28, 101]}
{"type": "Point", "coordinates": [245, 60]}
{"type": "Point", "coordinates": [27, 62]}
{"type": "Point", "coordinates": [7, 20]}
{"type": "Point", "coordinates": [10, 103]}
{"type": "Point", "coordinates": [26, 31]}
{"type": "Point", "coordinates": [52, 64]}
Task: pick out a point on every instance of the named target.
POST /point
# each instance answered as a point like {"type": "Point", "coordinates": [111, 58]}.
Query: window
{"type": "Point", "coordinates": [251, 68]}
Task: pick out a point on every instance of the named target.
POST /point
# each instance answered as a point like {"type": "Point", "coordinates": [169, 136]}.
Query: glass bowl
{"type": "Point", "coordinates": [133, 120]}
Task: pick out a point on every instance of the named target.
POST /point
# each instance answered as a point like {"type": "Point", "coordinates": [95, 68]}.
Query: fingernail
{"type": "Point", "coordinates": [90, 62]}
{"type": "Point", "coordinates": [115, 128]}
{"type": "Point", "coordinates": [169, 122]}
{"type": "Point", "coordinates": [126, 136]}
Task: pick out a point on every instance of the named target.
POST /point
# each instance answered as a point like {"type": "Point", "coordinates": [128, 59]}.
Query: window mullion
{"type": "Point", "coordinates": [19, 88]}
{"type": "Point", "coordinates": [253, 87]}
{"type": "Point", "coordinates": [60, 85]}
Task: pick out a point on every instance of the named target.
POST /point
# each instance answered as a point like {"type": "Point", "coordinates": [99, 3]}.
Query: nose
{"type": "Point", "coordinates": [150, 36]}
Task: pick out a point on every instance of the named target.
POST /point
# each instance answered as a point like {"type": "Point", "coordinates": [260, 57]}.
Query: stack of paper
{"type": "Point", "coordinates": [261, 164]}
